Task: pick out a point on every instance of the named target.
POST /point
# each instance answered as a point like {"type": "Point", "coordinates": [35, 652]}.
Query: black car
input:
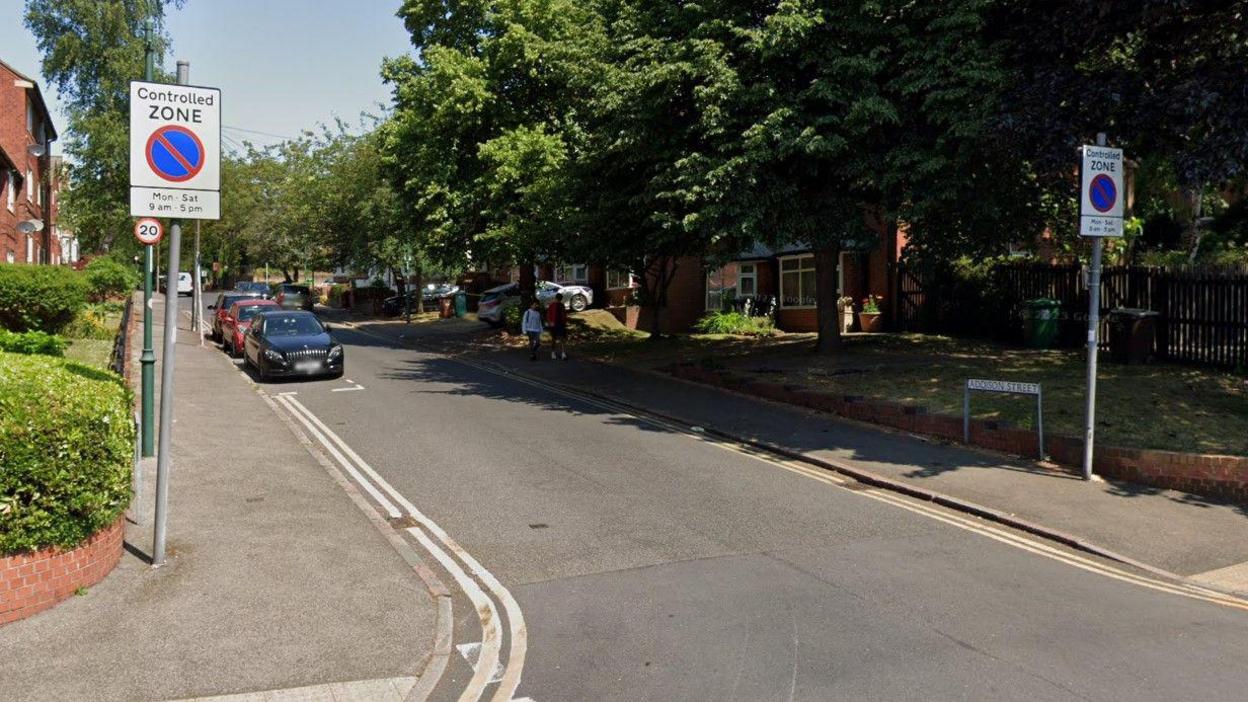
{"type": "Point", "coordinates": [294, 297]}
{"type": "Point", "coordinates": [291, 343]}
{"type": "Point", "coordinates": [222, 307]}
{"type": "Point", "coordinates": [394, 305]}
{"type": "Point", "coordinates": [254, 287]}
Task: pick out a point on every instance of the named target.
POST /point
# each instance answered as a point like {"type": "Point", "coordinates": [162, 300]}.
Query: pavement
{"type": "Point", "coordinates": [1175, 533]}
{"type": "Point", "coordinates": [626, 557]}
{"type": "Point", "coordinates": [276, 579]}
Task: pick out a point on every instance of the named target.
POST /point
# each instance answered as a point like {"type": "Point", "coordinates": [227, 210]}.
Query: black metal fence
{"type": "Point", "coordinates": [121, 343]}
{"type": "Point", "coordinates": [1203, 313]}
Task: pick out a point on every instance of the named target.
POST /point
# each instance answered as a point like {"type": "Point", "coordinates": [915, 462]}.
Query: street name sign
{"type": "Point", "coordinates": [148, 231]}
{"type": "Point", "coordinates": [1005, 386]}
{"type": "Point", "coordinates": [175, 151]}
{"type": "Point", "coordinates": [1101, 192]}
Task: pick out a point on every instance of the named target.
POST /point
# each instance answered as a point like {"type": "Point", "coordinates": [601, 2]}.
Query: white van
{"type": "Point", "coordinates": [185, 286]}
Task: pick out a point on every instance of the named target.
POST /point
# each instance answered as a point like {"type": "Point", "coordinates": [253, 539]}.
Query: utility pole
{"type": "Point", "coordinates": [166, 375]}
{"type": "Point", "coordinates": [148, 358]}
{"type": "Point", "coordinates": [1094, 326]}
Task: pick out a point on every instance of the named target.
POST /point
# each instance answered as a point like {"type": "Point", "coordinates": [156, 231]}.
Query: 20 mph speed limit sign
{"type": "Point", "coordinates": [148, 231]}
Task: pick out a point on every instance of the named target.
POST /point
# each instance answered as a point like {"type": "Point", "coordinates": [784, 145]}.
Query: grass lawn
{"type": "Point", "coordinates": [1155, 406]}
{"type": "Point", "coordinates": [92, 352]}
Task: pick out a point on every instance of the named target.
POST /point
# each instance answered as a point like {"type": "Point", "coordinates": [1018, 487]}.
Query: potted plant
{"type": "Point", "coordinates": [846, 307]}
{"type": "Point", "coordinates": [869, 318]}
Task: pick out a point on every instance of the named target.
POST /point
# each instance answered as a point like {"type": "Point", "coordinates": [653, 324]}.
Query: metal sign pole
{"type": "Point", "coordinates": [197, 296]}
{"type": "Point", "coordinates": [166, 377]}
{"type": "Point", "coordinates": [1094, 324]}
{"type": "Point", "coordinates": [147, 359]}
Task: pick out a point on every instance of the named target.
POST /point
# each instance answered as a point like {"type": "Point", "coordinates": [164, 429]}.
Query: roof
{"type": "Point", "coordinates": [43, 106]}
{"type": "Point", "coordinates": [760, 251]}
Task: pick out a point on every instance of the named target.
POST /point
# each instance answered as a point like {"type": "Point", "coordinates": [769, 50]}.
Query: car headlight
{"type": "Point", "coordinates": [335, 352]}
{"type": "Point", "coordinates": [274, 355]}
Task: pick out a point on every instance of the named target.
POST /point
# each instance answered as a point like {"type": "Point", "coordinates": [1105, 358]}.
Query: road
{"type": "Point", "coordinates": [600, 556]}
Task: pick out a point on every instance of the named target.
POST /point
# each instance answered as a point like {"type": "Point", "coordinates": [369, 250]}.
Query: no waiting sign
{"type": "Point", "coordinates": [175, 151]}
{"type": "Point", "coordinates": [1101, 192]}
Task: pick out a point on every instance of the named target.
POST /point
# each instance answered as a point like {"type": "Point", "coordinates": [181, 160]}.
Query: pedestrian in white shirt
{"type": "Point", "coordinates": [531, 325]}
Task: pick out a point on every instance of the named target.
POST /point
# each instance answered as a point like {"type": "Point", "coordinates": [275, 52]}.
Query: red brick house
{"type": "Point", "coordinates": [26, 173]}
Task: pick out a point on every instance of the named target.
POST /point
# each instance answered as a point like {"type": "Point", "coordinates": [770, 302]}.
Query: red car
{"type": "Point", "coordinates": [236, 322]}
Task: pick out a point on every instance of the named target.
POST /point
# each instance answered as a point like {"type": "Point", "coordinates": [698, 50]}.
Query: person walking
{"type": "Point", "coordinates": [531, 326]}
{"type": "Point", "coordinates": [557, 321]}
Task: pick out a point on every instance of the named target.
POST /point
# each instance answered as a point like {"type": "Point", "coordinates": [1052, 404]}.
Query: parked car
{"type": "Point", "coordinates": [287, 343]}
{"type": "Point", "coordinates": [238, 320]}
{"type": "Point", "coordinates": [575, 297]}
{"type": "Point", "coordinates": [185, 283]}
{"type": "Point", "coordinates": [254, 286]}
{"type": "Point", "coordinates": [294, 297]}
{"type": "Point", "coordinates": [395, 305]}
{"type": "Point", "coordinates": [495, 301]}
{"type": "Point", "coordinates": [222, 307]}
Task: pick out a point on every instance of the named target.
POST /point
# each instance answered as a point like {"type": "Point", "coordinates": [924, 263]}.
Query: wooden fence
{"type": "Point", "coordinates": [1203, 313]}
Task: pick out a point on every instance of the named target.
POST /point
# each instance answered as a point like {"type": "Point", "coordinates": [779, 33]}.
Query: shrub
{"type": "Point", "coordinates": [91, 322]}
{"type": "Point", "coordinates": [512, 314]}
{"type": "Point", "coordinates": [107, 277]}
{"type": "Point", "coordinates": [39, 297]}
{"type": "Point", "coordinates": [32, 342]}
{"type": "Point", "coordinates": [735, 323]}
{"type": "Point", "coordinates": [66, 445]}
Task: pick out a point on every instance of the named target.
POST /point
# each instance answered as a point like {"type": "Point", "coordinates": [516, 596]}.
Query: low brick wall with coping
{"type": "Point", "coordinates": [1222, 477]}
{"type": "Point", "coordinates": [33, 582]}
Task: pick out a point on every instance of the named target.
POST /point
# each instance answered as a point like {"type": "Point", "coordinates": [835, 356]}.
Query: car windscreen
{"type": "Point", "coordinates": [292, 325]}
{"type": "Point", "coordinates": [246, 313]}
{"type": "Point", "coordinates": [295, 290]}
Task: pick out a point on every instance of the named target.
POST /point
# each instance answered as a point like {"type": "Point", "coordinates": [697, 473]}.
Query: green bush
{"type": "Point", "coordinates": [735, 323]}
{"type": "Point", "coordinates": [91, 322]}
{"type": "Point", "coordinates": [32, 342]}
{"type": "Point", "coordinates": [39, 297]}
{"type": "Point", "coordinates": [512, 314]}
{"type": "Point", "coordinates": [107, 277]}
{"type": "Point", "coordinates": [66, 447]}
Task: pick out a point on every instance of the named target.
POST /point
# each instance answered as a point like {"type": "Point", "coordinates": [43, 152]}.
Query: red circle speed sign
{"type": "Point", "coordinates": [148, 231]}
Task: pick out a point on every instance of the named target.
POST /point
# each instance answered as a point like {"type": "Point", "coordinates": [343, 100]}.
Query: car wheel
{"type": "Point", "coordinates": [579, 303]}
{"type": "Point", "coordinates": [228, 348]}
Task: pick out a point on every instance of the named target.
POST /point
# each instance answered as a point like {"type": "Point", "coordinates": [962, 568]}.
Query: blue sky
{"type": "Point", "coordinates": [282, 65]}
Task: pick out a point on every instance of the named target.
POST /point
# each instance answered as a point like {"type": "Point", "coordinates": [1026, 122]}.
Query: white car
{"type": "Point", "coordinates": [495, 301]}
{"type": "Point", "coordinates": [185, 286]}
{"type": "Point", "coordinates": [575, 297]}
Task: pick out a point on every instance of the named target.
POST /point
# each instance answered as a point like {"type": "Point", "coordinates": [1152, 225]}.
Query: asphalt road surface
{"type": "Point", "coordinates": [598, 556]}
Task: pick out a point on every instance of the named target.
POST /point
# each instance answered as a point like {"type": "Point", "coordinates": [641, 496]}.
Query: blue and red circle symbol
{"type": "Point", "coordinates": [175, 153]}
{"type": "Point", "coordinates": [1103, 193]}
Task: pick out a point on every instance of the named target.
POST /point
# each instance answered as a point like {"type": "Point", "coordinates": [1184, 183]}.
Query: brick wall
{"type": "Point", "coordinates": [31, 583]}
{"type": "Point", "coordinates": [799, 320]}
{"type": "Point", "coordinates": [14, 140]}
{"type": "Point", "coordinates": [1224, 477]}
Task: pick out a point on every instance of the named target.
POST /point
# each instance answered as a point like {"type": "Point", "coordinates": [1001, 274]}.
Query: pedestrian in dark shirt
{"type": "Point", "coordinates": [557, 322]}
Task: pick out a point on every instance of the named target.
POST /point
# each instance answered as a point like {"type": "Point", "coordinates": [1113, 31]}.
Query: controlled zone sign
{"type": "Point", "coordinates": [1100, 206]}
{"type": "Point", "coordinates": [148, 231]}
{"type": "Point", "coordinates": [175, 151]}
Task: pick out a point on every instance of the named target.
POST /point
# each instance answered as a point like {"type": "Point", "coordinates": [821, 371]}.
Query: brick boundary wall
{"type": "Point", "coordinates": [1223, 477]}
{"type": "Point", "coordinates": [33, 582]}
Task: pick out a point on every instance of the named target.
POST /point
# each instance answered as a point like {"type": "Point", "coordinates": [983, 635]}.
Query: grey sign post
{"type": "Point", "coordinates": [1004, 386]}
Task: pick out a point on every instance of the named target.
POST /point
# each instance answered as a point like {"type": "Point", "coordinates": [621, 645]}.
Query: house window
{"type": "Point", "coordinates": [721, 288]}
{"type": "Point", "coordinates": [30, 249]}
{"type": "Point", "coordinates": [621, 280]}
{"type": "Point", "coordinates": [572, 273]}
{"type": "Point", "coordinates": [797, 281]}
{"type": "Point", "coordinates": [30, 185]}
{"type": "Point", "coordinates": [6, 184]}
{"type": "Point", "coordinates": [747, 280]}
{"type": "Point", "coordinates": [30, 115]}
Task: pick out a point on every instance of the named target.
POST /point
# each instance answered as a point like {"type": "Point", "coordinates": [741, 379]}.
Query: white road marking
{"type": "Point", "coordinates": [517, 630]}
{"type": "Point", "coordinates": [351, 389]}
{"type": "Point", "coordinates": [288, 392]}
{"type": "Point", "coordinates": [471, 652]}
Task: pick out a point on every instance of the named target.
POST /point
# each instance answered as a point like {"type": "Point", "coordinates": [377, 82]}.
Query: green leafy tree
{"type": "Point", "coordinates": [92, 49]}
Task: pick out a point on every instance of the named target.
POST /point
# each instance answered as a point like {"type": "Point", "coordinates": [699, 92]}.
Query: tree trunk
{"type": "Point", "coordinates": [1195, 198]}
{"type": "Point", "coordinates": [827, 259]}
{"type": "Point", "coordinates": [420, 290]}
{"type": "Point", "coordinates": [528, 285]}
{"type": "Point", "coordinates": [656, 295]}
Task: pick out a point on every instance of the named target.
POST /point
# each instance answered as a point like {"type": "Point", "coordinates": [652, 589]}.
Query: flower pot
{"type": "Point", "coordinates": [870, 322]}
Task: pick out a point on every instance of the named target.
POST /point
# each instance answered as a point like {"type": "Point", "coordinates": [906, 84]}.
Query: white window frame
{"type": "Point", "coordinates": [30, 249]}
{"type": "Point", "coordinates": [620, 276]}
{"type": "Point", "coordinates": [800, 270]}
{"type": "Point", "coordinates": [567, 273]}
{"type": "Point", "coordinates": [6, 180]}
{"type": "Point", "coordinates": [30, 183]}
{"type": "Point", "coordinates": [30, 115]}
{"type": "Point", "coordinates": [743, 275]}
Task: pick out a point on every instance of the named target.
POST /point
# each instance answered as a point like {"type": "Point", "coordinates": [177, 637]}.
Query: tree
{"type": "Point", "coordinates": [92, 49]}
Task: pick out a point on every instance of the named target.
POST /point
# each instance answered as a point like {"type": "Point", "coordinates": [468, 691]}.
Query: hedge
{"type": "Point", "coordinates": [32, 342]}
{"type": "Point", "coordinates": [108, 278]}
{"type": "Point", "coordinates": [66, 449]}
{"type": "Point", "coordinates": [39, 297]}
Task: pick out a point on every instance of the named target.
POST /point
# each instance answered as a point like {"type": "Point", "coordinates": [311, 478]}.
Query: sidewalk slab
{"type": "Point", "coordinates": [275, 579]}
{"type": "Point", "coordinates": [1176, 532]}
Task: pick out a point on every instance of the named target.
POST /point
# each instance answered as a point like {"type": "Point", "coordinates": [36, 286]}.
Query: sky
{"type": "Point", "coordinates": [282, 65]}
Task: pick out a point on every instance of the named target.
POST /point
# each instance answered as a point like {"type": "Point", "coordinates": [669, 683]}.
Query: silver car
{"type": "Point", "coordinates": [577, 298]}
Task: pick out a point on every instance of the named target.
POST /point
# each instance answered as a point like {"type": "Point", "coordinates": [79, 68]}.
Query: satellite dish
{"type": "Point", "coordinates": [37, 149]}
{"type": "Point", "coordinates": [30, 226]}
